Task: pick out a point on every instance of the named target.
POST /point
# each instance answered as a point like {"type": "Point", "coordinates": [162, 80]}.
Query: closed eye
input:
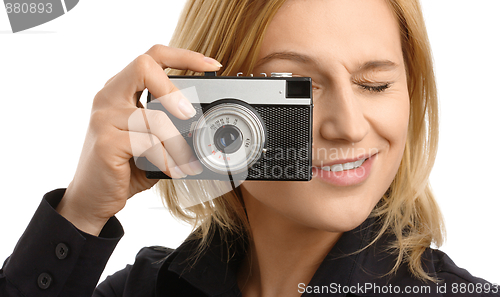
{"type": "Point", "coordinates": [375, 88]}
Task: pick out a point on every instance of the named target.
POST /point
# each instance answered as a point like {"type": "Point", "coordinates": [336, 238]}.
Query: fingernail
{"type": "Point", "coordinates": [186, 108]}
{"type": "Point", "coordinates": [179, 172]}
{"type": "Point", "coordinates": [212, 61]}
{"type": "Point", "coordinates": [195, 165]}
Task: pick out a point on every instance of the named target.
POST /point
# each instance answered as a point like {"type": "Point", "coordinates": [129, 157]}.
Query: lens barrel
{"type": "Point", "coordinates": [230, 136]}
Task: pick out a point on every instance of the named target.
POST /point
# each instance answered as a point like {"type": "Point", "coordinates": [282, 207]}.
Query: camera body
{"type": "Point", "coordinates": [248, 128]}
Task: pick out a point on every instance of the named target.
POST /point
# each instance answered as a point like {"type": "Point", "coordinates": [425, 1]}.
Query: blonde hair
{"type": "Point", "coordinates": [232, 32]}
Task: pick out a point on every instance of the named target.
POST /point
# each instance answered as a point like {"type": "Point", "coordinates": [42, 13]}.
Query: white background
{"type": "Point", "coordinates": [50, 74]}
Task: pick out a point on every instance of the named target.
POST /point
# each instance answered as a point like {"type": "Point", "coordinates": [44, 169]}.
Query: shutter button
{"type": "Point", "coordinates": [44, 280]}
{"type": "Point", "coordinates": [62, 251]}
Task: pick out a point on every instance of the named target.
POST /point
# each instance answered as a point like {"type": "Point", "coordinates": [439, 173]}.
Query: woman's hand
{"type": "Point", "coordinates": [106, 175]}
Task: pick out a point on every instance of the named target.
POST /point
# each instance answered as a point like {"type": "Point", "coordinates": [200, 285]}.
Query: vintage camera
{"type": "Point", "coordinates": [248, 128]}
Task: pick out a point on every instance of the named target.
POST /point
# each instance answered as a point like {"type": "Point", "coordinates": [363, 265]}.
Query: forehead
{"type": "Point", "coordinates": [349, 31]}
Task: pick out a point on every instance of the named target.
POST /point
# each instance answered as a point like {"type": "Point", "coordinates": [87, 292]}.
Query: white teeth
{"type": "Point", "coordinates": [348, 166]}
{"type": "Point", "coordinates": [359, 162]}
{"type": "Point", "coordinates": [337, 167]}
{"type": "Point", "coordinates": [345, 166]}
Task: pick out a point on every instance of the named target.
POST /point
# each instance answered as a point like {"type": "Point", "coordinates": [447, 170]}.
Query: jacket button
{"type": "Point", "coordinates": [44, 280]}
{"type": "Point", "coordinates": [62, 251]}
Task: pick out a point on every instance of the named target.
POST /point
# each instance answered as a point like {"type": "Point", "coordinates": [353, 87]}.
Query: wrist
{"type": "Point", "coordinates": [76, 216]}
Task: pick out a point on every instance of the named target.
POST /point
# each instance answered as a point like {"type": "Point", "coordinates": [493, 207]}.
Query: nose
{"type": "Point", "coordinates": [340, 117]}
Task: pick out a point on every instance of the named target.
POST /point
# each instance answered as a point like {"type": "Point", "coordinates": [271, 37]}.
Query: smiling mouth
{"type": "Point", "coordinates": [344, 166]}
{"type": "Point", "coordinates": [349, 173]}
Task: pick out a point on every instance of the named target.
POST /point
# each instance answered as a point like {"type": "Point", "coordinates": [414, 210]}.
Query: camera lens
{"type": "Point", "coordinates": [228, 139]}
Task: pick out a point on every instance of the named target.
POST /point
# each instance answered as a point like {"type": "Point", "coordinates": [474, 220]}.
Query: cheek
{"type": "Point", "coordinates": [389, 119]}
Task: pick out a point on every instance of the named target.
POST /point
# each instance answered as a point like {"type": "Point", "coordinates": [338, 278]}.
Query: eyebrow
{"type": "Point", "coordinates": [377, 65]}
{"type": "Point", "coordinates": [292, 56]}
{"type": "Point", "coordinates": [301, 58]}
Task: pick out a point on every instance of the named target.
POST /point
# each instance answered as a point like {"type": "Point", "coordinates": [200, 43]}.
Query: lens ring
{"type": "Point", "coordinates": [249, 125]}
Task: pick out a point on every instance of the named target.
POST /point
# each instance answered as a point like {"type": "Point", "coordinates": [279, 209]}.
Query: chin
{"type": "Point", "coordinates": [325, 212]}
{"type": "Point", "coordinates": [337, 218]}
{"type": "Point", "coordinates": [311, 206]}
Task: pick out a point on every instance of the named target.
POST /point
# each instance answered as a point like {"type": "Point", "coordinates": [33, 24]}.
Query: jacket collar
{"type": "Point", "coordinates": [214, 273]}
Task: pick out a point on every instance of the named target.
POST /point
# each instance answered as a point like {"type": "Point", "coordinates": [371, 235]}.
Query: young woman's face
{"type": "Point", "coordinates": [352, 51]}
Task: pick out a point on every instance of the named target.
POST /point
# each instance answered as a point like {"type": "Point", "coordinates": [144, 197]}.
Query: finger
{"type": "Point", "coordinates": [146, 71]}
{"type": "Point", "coordinates": [155, 122]}
{"type": "Point", "coordinates": [159, 124]}
{"type": "Point", "coordinates": [178, 58]}
{"type": "Point", "coordinates": [149, 146]}
{"type": "Point", "coordinates": [143, 73]}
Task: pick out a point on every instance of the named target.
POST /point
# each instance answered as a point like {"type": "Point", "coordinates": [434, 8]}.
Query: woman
{"type": "Point", "coordinates": [373, 90]}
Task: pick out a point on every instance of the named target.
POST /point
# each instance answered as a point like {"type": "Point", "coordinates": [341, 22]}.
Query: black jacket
{"type": "Point", "coordinates": [53, 258]}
